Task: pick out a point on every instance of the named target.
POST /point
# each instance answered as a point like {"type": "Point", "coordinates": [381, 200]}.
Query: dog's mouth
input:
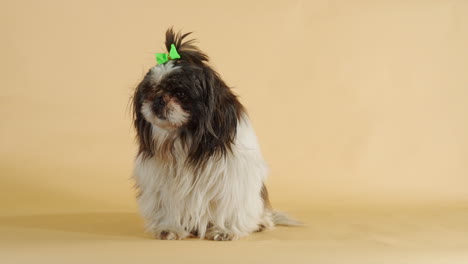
{"type": "Point", "coordinates": [161, 114]}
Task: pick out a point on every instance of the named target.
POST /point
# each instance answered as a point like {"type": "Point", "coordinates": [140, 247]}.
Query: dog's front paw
{"type": "Point", "coordinates": [261, 227]}
{"type": "Point", "coordinates": [168, 235]}
{"type": "Point", "coordinates": [221, 236]}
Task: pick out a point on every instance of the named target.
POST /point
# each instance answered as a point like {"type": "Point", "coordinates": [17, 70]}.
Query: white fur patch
{"type": "Point", "coordinates": [175, 114]}
{"type": "Point", "coordinates": [161, 70]}
{"type": "Point", "coordinates": [147, 112]}
{"type": "Point", "coordinates": [225, 194]}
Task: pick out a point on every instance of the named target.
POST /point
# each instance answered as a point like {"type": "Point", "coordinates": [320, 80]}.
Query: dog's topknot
{"type": "Point", "coordinates": [187, 50]}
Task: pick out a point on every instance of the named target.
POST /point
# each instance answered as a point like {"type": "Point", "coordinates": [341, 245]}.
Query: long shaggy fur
{"type": "Point", "coordinates": [199, 169]}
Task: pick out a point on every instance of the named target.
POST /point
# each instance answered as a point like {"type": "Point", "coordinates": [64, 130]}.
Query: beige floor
{"type": "Point", "coordinates": [437, 234]}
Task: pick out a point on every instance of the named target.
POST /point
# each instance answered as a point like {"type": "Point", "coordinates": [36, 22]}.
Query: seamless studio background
{"type": "Point", "coordinates": [360, 108]}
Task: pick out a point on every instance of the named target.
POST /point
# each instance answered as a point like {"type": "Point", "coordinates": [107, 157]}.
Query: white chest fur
{"type": "Point", "coordinates": [225, 194]}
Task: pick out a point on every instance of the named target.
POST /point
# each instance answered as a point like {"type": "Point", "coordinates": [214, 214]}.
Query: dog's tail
{"type": "Point", "coordinates": [280, 218]}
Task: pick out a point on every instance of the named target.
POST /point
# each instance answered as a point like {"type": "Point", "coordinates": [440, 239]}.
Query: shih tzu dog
{"type": "Point", "coordinates": [199, 170]}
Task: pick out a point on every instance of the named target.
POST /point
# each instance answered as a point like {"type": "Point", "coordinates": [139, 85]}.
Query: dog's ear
{"type": "Point", "coordinates": [143, 128]}
{"type": "Point", "coordinates": [186, 50]}
{"type": "Point", "coordinates": [215, 133]}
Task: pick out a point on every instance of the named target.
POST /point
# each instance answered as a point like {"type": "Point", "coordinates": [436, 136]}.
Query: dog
{"type": "Point", "coordinates": [199, 171]}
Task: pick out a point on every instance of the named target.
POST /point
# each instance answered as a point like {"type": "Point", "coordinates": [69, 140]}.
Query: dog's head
{"type": "Point", "coordinates": [186, 99]}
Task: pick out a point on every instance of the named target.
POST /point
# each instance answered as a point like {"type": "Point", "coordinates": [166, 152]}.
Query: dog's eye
{"type": "Point", "coordinates": [180, 94]}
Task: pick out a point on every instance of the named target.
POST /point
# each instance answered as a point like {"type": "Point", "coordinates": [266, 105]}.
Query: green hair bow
{"type": "Point", "coordinates": [164, 57]}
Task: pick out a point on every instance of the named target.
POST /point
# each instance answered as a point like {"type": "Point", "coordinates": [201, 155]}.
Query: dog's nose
{"type": "Point", "coordinates": [159, 101]}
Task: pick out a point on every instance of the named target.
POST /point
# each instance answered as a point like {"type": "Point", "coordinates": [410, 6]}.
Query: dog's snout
{"type": "Point", "coordinates": [159, 101]}
{"type": "Point", "coordinates": [159, 104]}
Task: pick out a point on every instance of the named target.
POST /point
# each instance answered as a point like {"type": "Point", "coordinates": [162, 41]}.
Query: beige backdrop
{"type": "Point", "coordinates": [354, 102]}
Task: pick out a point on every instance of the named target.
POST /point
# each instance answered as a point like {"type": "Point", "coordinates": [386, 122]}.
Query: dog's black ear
{"type": "Point", "coordinates": [186, 50]}
{"type": "Point", "coordinates": [215, 131]}
{"type": "Point", "coordinates": [143, 128]}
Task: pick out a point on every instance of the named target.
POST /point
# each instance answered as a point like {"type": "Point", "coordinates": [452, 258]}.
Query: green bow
{"type": "Point", "coordinates": [164, 57]}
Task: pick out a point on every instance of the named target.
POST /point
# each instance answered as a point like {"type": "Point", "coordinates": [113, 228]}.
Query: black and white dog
{"type": "Point", "coordinates": [199, 169]}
